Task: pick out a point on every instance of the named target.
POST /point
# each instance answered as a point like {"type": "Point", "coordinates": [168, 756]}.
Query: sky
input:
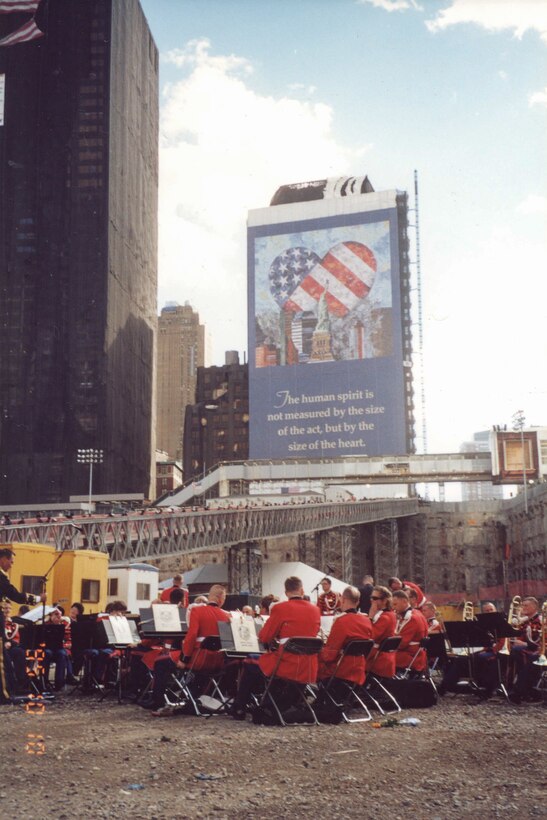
{"type": "Point", "coordinates": [258, 93]}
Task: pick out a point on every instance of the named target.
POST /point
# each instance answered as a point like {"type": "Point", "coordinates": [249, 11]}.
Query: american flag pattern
{"type": "Point", "coordinates": [346, 273]}
{"type": "Point", "coordinates": [288, 270]}
{"type": "Point", "coordinates": [11, 6]}
{"type": "Point", "coordinates": [29, 31]}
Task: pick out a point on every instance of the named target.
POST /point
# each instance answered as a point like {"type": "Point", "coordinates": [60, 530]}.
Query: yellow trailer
{"type": "Point", "coordinates": [78, 575]}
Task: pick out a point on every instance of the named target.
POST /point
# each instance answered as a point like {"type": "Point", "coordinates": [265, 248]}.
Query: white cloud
{"type": "Point", "coordinates": [538, 98]}
{"type": "Point", "coordinates": [519, 16]}
{"type": "Point", "coordinates": [502, 75]}
{"type": "Point", "coordinates": [223, 150]}
{"type": "Point", "coordinates": [393, 5]}
{"type": "Point", "coordinates": [533, 204]}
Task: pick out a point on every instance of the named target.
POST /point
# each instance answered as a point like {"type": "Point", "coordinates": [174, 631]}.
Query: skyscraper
{"type": "Point", "coordinates": [181, 342]}
{"type": "Point", "coordinates": [78, 245]}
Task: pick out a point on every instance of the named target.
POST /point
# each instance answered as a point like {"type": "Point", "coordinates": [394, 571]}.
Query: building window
{"type": "Point", "coordinates": [143, 592]}
{"type": "Point", "coordinates": [90, 591]}
{"type": "Point", "coordinates": [32, 584]}
{"type": "Point", "coordinates": [112, 586]}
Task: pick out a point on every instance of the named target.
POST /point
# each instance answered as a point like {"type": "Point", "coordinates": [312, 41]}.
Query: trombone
{"type": "Point", "coordinates": [542, 660]}
{"type": "Point", "coordinates": [512, 620]}
{"type": "Point", "coordinates": [468, 613]}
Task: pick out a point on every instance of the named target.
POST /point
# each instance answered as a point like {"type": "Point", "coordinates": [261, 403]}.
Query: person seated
{"type": "Point", "coordinates": [329, 600]}
{"type": "Point", "coordinates": [411, 627]}
{"type": "Point", "coordinates": [524, 651]}
{"type": "Point", "coordinates": [383, 621]}
{"type": "Point", "coordinates": [203, 624]}
{"type": "Point", "coordinates": [60, 657]}
{"type": "Point", "coordinates": [429, 611]}
{"type": "Point", "coordinates": [351, 625]}
{"type": "Point", "coordinates": [265, 605]}
{"type": "Point", "coordinates": [292, 618]}
{"type": "Point", "coordinates": [396, 584]}
{"type": "Point", "coordinates": [98, 658]}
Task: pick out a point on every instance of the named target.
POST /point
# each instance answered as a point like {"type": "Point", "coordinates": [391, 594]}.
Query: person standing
{"type": "Point", "coordinates": [10, 593]}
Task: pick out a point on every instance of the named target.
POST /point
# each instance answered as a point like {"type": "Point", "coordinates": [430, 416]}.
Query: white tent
{"type": "Point", "coordinates": [273, 578]}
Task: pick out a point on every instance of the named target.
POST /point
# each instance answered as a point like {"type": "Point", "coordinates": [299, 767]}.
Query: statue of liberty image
{"type": "Point", "coordinates": [322, 335]}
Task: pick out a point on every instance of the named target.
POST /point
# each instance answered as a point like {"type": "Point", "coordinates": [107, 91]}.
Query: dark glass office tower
{"type": "Point", "coordinates": [78, 251]}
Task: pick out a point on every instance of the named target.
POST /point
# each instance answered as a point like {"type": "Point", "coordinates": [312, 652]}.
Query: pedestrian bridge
{"type": "Point", "coordinates": [233, 478]}
{"type": "Point", "coordinates": [141, 537]}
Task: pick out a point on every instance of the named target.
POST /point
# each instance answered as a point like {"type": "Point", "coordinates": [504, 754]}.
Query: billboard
{"type": "Point", "coordinates": [326, 364]}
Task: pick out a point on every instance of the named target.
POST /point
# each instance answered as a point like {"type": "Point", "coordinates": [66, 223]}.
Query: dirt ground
{"type": "Point", "coordinates": [463, 760]}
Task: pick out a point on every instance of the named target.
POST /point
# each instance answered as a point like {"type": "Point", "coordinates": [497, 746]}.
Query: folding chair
{"type": "Point", "coordinates": [343, 693]}
{"type": "Point", "coordinates": [284, 694]}
{"type": "Point", "coordinates": [373, 683]}
{"type": "Point", "coordinates": [408, 671]}
{"type": "Point", "coordinates": [181, 690]}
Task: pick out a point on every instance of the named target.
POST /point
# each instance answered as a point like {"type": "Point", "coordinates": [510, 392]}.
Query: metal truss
{"type": "Point", "coordinates": [141, 537]}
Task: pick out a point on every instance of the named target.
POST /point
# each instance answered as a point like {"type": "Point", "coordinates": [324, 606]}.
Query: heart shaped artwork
{"type": "Point", "coordinates": [345, 274]}
{"type": "Point", "coordinates": [288, 270]}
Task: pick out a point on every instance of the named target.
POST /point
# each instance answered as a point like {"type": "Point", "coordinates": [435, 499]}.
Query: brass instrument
{"type": "Point", "coordinates": [468, 613]}
{"type": "Point", "coordinates": [515, 605]}
{"type": "Point", "coordinates": [514, 611]}
{"type": "Point", "coordinates": [542, 660]}
{"type": "Point", "coordinates": [447, 644]}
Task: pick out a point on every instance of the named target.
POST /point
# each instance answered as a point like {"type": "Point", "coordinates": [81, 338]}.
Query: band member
{"type": "Point", "coordinates": [525, 650]}
{"type": "Point", "coordinates": [429, 611]}
{"type": "Point", "coordinates": [9, 592]}
{"type": "Point", "coordinates": [383, 621]}
{"type": "Point", "coordinates": [329, 600]}
{"type": "Point", "coordinates": [177, 584]}
{"type": "Point", "coordinates": [60, 657]}
{"type": "Point", "coordinates": [292, 618]}
{"type": "Point", "coordinates": [15, 656]}
{"type": "Point", "coordinates": [396, 584]}
{"type": "Point", "coordinates": [365, 591]}
{"type": "Point", "coordinates": [351, 625]}
{"type": "Point", "coordinates": [203, 624]}
{"type": "Point", "coordinates": [411, 627]}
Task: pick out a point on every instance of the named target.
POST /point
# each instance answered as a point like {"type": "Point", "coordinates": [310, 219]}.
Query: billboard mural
{"type": "Point", "coordinates": [325, 346]}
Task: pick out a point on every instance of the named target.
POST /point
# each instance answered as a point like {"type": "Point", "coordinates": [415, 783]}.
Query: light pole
{"type": "Point", "coordinates": [518, 424]}
{"type": "Point", "coordinates": [90, 457]}
{"type": "Point", "coordinates": [204, 408]}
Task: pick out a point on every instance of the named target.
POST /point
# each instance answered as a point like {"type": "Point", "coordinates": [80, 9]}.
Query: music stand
{"type": "Point", "coordinates": [106, 630]}
{"type": "Point", "coordinates": [82, 633]}
{"type": "Point", "coordinates": [495, 623]}
{"type": "Point", "coordinates": [467, 635]}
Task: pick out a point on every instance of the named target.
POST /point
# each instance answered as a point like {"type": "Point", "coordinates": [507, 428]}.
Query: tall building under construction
{"type": "Point", "coordinates": [78, 247]}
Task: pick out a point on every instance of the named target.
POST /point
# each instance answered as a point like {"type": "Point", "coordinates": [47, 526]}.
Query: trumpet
{"type": "Point", "coordinates": [542, 660]}
{"type": "Point", "coordinates": [468, 612]}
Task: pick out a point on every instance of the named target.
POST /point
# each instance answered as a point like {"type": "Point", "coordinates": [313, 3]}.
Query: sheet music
{"type": "Point", "coordinates": [121, 629]}
{"type": "Point", "coordinates": [35, 614]}
{"type": "Point", "coordinates": [244, 634]}
{"type": "Point", "coordinates": [166, 618]}
{"type": "Point", "coordinates": [326, 625]}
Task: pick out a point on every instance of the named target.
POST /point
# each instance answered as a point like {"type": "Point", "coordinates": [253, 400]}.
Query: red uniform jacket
{"type": "Point", "coordinates": [348, 626]}
{"type": "Point", "coordinates": [294, 618]}
{"type": "Point", "coordinates": [411, 629]}
{"type": "Point", "coordinates": [166, 594]}
{"type": "Point", "coordinates": [383, 626]}
{"type": "Point", "coordinates": [204, 624]}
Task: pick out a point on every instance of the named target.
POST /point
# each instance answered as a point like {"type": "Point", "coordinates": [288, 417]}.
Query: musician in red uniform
{"type": "Point", "coordinates": [288, 619]}
{"type": "Point", "coordinates": [177, 584]}
{"type": "Point", "coordinates": [203, 624]}
{"type": "Point", "coordinates": [524, 651]}
{"type": "Point", "coordinates": [383, 621]}
{"type": "Point", "coordinates": [329, 600]}
{"type": "Point", "coordinates": [396, 584]}
{"type": "Point", "coordinates": [350, 625]}
{"type": "Point", "coordinates": [429, 611]}
{"type": "Point", "coordinates": [411, 628]}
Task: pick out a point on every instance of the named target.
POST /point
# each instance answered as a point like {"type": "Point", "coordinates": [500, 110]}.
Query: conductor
{"type": "Point", "coordinates": [10, 593]}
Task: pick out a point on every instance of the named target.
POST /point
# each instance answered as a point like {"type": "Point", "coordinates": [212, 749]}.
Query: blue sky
{"type": "Point", "coordinates": [257, 93]}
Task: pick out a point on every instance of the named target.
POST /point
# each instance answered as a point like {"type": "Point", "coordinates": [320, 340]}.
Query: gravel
{"type": "Point", "coordinates": [105, 760]}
